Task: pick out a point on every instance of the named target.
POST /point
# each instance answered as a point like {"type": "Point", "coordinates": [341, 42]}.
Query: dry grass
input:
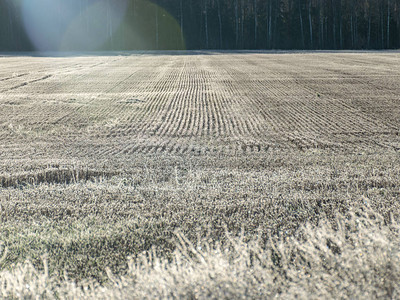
{"type": "Point", "coordinates": [357, 257]}
{"type": "Point", "coordinates": [283, 168]}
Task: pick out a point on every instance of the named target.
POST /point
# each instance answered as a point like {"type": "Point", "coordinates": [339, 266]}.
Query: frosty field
{"type": "Point", "coordinates": [119, 159]}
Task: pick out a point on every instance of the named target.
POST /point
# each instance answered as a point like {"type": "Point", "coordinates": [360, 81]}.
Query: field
{"type": "Point", "coordinates": [200, 174]}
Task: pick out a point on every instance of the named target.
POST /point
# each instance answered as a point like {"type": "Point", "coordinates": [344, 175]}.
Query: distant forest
{"type": "Point", "coordinates": [205, 24]}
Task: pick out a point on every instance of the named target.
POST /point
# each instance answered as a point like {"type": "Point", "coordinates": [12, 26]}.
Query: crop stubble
{"type": "Point", "coordinates": [151, 142]}
{"type": "Point", "coordinates": [222, 103]}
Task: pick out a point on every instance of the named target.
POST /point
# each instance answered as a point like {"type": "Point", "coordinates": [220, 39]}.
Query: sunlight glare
{"type": "Point", "coordinates": [72, 25]}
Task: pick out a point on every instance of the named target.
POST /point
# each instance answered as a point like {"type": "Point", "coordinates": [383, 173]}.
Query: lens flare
{"type": "Point", "coordinates": [94, 26]}
{"type": "Point", "coordinates": [72, 24]}
{"type": "Point", "coordinates": [149, 26]}
{"type": "Point", "coordinates": [75, 25]}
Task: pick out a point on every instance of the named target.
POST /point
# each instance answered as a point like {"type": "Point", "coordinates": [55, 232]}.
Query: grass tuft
{"type": "Point", "coordinates": [356, 257]}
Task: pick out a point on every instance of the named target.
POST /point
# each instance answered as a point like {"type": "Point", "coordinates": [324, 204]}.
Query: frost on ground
{"type": "Point", "coordinates": [356, 257]}
{"type": "Point", "coordinates": [200, 174]}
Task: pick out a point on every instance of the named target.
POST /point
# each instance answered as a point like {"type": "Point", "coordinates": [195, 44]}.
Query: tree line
{"type": "Point", "coordinates": [223, 24]}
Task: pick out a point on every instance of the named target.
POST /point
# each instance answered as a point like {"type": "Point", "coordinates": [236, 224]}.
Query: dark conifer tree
{"type": "Point", "coordinates": [220, 24]}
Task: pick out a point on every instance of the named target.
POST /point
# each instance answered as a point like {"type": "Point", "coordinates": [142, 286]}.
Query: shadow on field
{"type": "Point", "coordinates": [180, 52]}
{"type": "Point", "coordinates": [52, 175]}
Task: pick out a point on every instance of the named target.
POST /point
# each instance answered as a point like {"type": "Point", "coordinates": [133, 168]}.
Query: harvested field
{"type": "Point", "coordinates": [105, 157]}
